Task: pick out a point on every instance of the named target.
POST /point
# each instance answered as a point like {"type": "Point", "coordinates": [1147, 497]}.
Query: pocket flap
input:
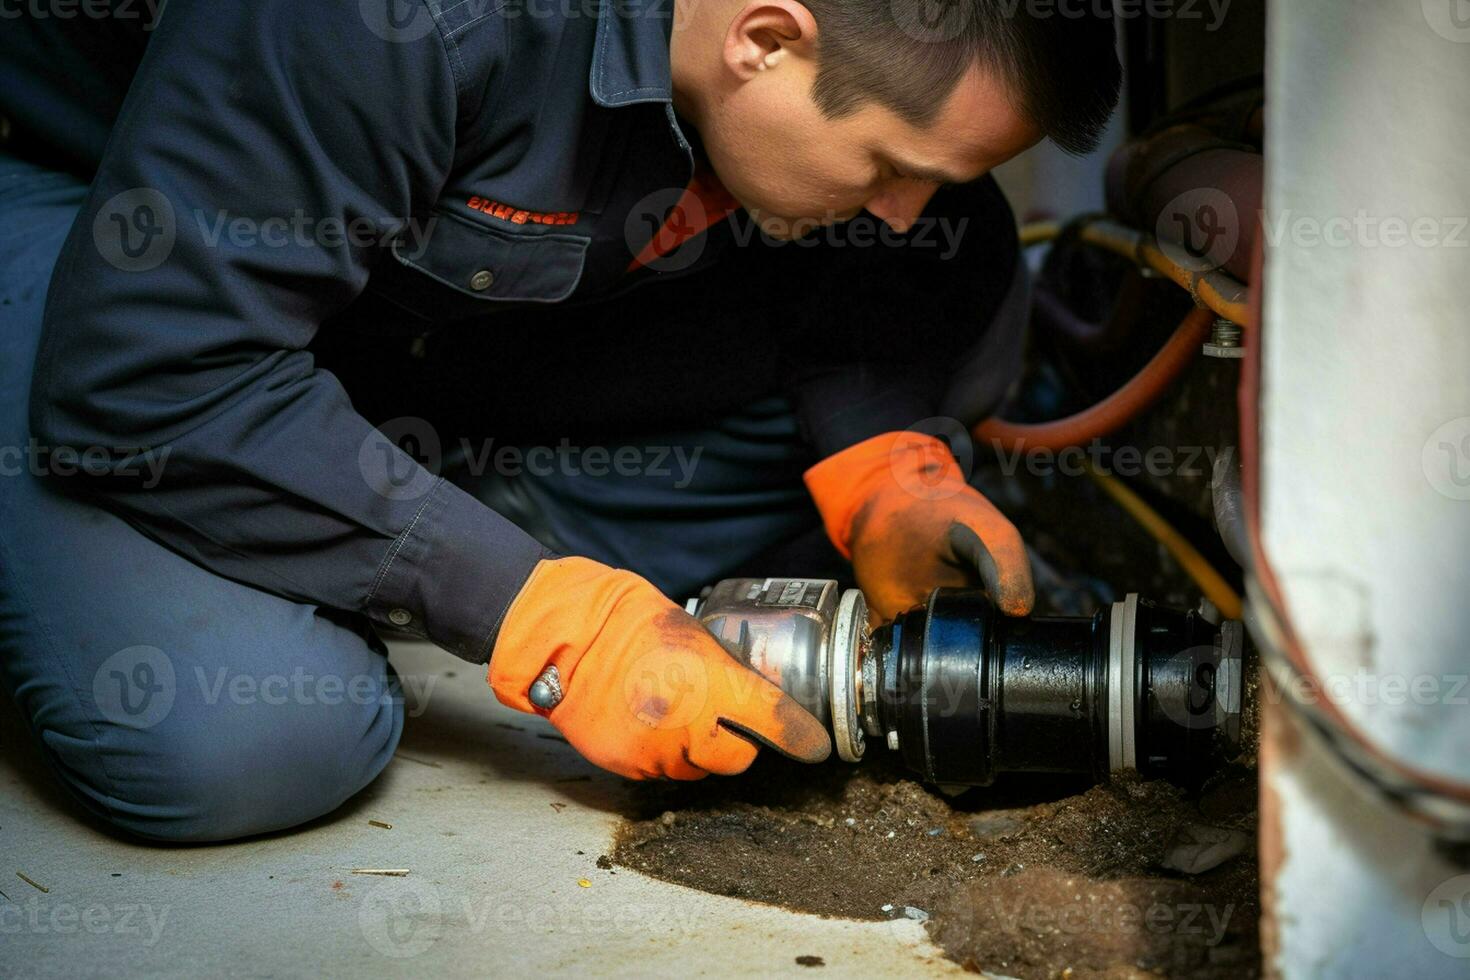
{"type": "Point", "coordinates": [484, 263]}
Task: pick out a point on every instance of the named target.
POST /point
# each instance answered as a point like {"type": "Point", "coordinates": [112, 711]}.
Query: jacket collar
{"type": "Point", "coordinates": [631, 61]}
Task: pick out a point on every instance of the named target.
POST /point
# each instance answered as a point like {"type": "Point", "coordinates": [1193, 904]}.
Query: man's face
{"type": "Point", "coordinates": [794, 169]}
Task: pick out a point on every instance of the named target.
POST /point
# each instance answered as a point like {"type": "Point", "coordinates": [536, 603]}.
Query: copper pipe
{"type": "Point", "coordinates": [1227, 296]}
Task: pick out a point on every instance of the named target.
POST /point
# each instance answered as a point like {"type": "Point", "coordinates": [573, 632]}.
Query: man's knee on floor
{"type": "Point", "coordinates": [247, 757]}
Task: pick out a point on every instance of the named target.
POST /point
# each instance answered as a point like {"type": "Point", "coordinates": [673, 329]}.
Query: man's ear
{"type": "Point", "coordinates": [764, 33]}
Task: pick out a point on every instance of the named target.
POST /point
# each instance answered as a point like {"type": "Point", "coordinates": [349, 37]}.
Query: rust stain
{"type": "Point", "coordinates": [1279, 745]}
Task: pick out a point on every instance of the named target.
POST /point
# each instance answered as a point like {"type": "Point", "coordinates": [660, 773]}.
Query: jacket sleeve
{"type": "Point", "coordinates": [265, 151]}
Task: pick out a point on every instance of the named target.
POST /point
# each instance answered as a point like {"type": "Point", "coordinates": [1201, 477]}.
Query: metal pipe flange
{"type": "Point", "coordinates": [844, 652]}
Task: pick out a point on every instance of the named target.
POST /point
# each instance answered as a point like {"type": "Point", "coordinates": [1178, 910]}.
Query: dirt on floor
{"type": "Point", "coordinates": [1033, 877]}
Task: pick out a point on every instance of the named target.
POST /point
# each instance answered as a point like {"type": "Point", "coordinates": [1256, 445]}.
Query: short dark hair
{"type": "Point", "coordinates": [1060, 65]}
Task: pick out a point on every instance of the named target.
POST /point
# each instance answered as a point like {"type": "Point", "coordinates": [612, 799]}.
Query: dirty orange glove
{"type": "Point", "coordinates": [644, 689]}
{"type": "Point", "coordinates": [898, 506]}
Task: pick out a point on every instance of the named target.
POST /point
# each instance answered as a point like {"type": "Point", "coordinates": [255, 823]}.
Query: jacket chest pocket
{"type": "Point", "coordinates": [451, 268]}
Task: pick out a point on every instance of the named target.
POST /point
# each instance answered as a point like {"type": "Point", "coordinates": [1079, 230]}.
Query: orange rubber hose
{"type": "Point", "coordinates": [1119, 408]}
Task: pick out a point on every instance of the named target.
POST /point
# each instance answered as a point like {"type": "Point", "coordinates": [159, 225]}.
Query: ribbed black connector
{"type": "Point", "coordinates": [967, 693]}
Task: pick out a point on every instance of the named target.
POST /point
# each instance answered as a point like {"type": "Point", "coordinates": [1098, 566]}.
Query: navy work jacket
{"type": "Point", "coordinates": [266, 164]}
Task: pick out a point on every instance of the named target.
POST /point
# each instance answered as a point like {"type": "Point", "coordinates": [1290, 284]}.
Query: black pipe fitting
{"type": "Point", "coordinates": [965, 693]}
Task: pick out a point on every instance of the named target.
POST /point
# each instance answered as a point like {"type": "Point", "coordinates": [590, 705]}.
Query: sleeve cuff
{"type": "Point", "coordinates": [842, 408]}
{"type": "Point", "coordinates": [453, 572]}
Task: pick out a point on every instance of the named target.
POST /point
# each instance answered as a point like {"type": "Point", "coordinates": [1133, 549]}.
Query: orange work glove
{"type": "Point", "coordinates": [898, 506]}
{"type": "Point", "coordinates": [636, 684]}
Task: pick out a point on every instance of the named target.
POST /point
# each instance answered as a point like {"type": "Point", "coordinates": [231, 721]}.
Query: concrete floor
{"type": "Point", "coordinates": [492, 841]}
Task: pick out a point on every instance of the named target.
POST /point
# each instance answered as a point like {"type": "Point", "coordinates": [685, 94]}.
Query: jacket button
{"type": "Point", "coordinates": [482, 280]}
{"type": "Point", "coordinates": [400, 617]}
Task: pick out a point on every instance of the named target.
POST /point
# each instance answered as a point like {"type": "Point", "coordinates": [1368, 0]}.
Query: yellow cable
{"type": "Point", "coordinates": [1037, 232]}
{"type": "Point", "coordinates": [1226, 297]}
{"type": "Point", "coordinates": [1211, 582]}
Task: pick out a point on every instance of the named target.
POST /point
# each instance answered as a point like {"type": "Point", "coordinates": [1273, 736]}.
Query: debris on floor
{"type": "Point", "coordinates": [1200, 847]}
{"type": "Point", "coordinates": [1042, 922]}
{"type": "Point", "coordinates": [32, 882]}
{"type": "Point", "coordinates": [1028, 878]}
